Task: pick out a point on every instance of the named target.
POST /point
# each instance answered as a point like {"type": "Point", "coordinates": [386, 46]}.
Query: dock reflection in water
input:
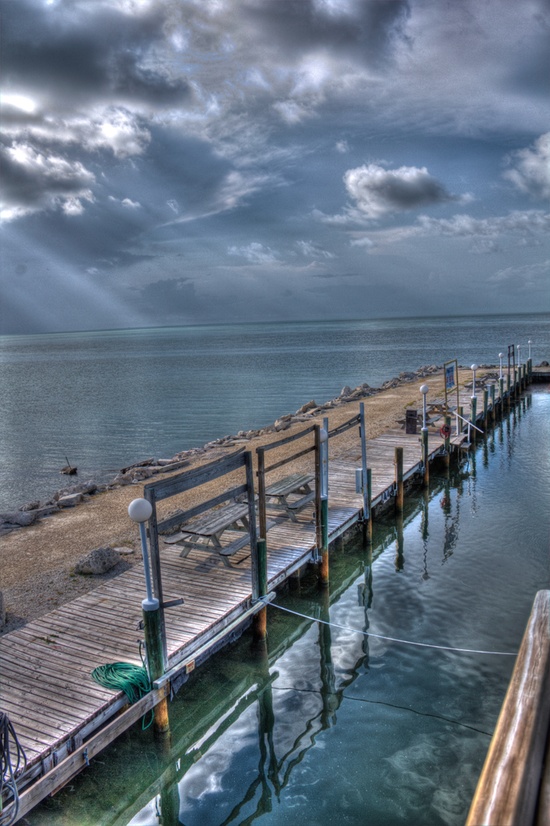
{"type": "Point", "coordinates": [332, 721]}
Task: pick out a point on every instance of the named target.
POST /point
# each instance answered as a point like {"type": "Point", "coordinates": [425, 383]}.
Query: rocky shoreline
{"type": "Point", "coordinates": [139, 472]}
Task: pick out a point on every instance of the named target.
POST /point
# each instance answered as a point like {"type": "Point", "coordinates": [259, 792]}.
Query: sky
{"type": "Point", "coordinates": [168, 162]}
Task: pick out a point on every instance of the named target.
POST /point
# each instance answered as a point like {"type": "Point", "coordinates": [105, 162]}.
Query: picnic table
{"type": "Point", "coordinates": [296, 484]}
{"type": "Point", "coordinates": [205, 532]}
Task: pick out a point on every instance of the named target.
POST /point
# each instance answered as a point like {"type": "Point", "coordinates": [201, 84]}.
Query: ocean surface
{"type": "Point", "coordinates": [340, 724]}
{"type": "Point", "coordinates": [103, 400]}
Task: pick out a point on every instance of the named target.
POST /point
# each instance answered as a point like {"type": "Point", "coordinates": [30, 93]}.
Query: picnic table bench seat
{"type": "Point", "coordinates": [295, 484]}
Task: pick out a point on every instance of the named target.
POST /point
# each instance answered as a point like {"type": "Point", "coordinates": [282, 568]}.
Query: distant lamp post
{"type": "Point", "coordinates": [140, 511]}
{"type": "Point", "coordinates": [529, 345]}
{"type": "Point", "coordinates": [474, 368]}
{"type": "Point", "coordinates": [500, 356]}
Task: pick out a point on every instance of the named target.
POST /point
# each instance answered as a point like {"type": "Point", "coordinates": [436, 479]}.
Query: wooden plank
{"type": "Point", "coordinates": [79, 759]}
{"type": "Point", "coordinates": [507, 790]}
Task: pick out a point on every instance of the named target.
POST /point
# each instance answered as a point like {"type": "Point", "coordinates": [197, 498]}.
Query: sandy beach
{"type": "Point", "coordinates": [37, 562]}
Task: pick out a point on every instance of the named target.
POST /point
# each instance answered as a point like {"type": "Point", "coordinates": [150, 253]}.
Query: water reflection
{"type": "Point", "coordinates": [331, 721]}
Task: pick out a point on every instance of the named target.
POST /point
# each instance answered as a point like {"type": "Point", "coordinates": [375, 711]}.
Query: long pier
{"type": "Point", "coordinates": [63, 718]}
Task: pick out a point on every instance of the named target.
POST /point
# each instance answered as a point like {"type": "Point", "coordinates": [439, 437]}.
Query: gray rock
{"type": "Point", "coordinates": [281, 424]}
{"type": "Point", "coordinates": [345, 391]}
{"type": "Point", "coordinates": [98, 561]}
{"type": "Point", "coordinates": [20, 518]}
{"type": "Point", "coordinates": [311, 405]}
{"type": "Point", "coordinates": [70, 500]}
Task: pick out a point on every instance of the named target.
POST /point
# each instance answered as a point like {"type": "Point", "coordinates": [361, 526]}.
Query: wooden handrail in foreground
{"type": "Point", "coordinates": [508, 787]}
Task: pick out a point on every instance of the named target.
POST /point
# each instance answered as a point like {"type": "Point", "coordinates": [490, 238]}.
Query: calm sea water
{"type": "Point", "coordinates": [107, 399]}
{"type": "Point", "coordinates": [341, 727]}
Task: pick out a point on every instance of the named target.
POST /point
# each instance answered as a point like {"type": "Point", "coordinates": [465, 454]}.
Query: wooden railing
{"type": "Point", "coordinates": [507, 793]}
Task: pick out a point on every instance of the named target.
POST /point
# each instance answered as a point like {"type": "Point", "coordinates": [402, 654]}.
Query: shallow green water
{"type": "Point", "coordinates": [339, 726]}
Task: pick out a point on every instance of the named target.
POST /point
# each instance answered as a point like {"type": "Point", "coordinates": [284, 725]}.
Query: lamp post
{"type": "Point", "coordinates": [500, 357]}
{"type": "Point", "coordinates": [529, 346]}
{"type": "Point", "coordinates": [140, 510]}
{"type": "Point", "coordinates": [424, 390]}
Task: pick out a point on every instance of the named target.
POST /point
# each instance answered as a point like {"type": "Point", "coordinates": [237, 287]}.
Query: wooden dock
{"type": "Point", "coordinates": [63, 718]}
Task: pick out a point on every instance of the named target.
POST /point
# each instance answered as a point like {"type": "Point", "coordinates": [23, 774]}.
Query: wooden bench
{"type": "Point", "coordinates": [296, 483]}
{"type": "Point", "coordinates": [205, 532]}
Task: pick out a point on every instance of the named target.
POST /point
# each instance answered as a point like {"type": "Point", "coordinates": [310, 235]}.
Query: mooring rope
{"type": "Point", "coordinates": [132, 679]}
{"type": "Point", "coordinates": [390, 639]}
{"type": "Point", "coordinates": [10, 768]}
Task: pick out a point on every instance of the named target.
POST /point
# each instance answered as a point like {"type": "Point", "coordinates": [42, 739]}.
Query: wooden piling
{"type": "Point", "coordinates": [369, 499]}
{"type": "Point", "coordinates": [425, 457]}
{"type": "Point", "coordinates": [155, 666]}
{"type": "Point", "coordinates": [260, 619]}
{"type": "Point", "coordinates": [473, 417]}
{"type": "Point", "coordinates": [399, 496]}
{"type": "Point", "coordinates": [448, 441]}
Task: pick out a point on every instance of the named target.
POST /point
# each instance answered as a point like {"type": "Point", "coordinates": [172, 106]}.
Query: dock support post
{"type": "Point", "coordinates": [321, 503]}
{"type": "Point", "coordinates": [493, 402]}
{"type": "Point", "coordinates": [259, 632]}
{"type": "Point", "coordinates": [368, 536]}
{"type": "Point", "coordinates": [473, 417]}
{"type": "Point", "coordinates": [448, 441]}
{"type": "Point", "coordinates": [425, 460]}
{"type": "Point", "coordinates": [485, 407]}
{"type": "Point", "coordinates": [155, 662]}
{"type": "Point", "coordinates": [501, 396]}
{"type": "Point", "coordinates": [399, 497]}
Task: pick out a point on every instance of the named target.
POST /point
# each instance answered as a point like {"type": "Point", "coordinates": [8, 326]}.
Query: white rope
{"type": "Point", "coordinates": [393, 639]}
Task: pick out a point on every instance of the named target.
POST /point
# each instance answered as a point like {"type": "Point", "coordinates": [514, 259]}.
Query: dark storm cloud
{"type": "Point", "coordinates": [362, 29]}
{"type": "Point", "coordinates": [377, 191]}
{"type": "Point", "coordinates": [104, 54]}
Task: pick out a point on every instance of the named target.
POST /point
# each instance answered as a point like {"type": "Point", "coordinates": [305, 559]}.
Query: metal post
{"type": "Point", "coordinates": [473, 401]}
{"type": "Point", "coordinates": [140, 511]}
{"type": "Point", "coordinates": [426, 477]}
{"type": "Point", "coordinates": [363, 435]}
{"type": "Point", "coordinates": [500, 356]}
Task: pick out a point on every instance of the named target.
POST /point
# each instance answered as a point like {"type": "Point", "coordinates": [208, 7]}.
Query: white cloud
{"type": "Point", "coordinates": [311, 250]}
{"type": "Point", "coordinates": [530, 171]}
{"type": "Point", "coordinates": [527, 275]}
{"type": "Point", "coordinates": [377, 191]}
{"type": "Point", "coordinates": [255, 253]}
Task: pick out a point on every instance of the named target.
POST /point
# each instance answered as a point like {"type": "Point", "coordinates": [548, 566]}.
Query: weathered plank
{"type": "Point", "coordinates": [506, 793]}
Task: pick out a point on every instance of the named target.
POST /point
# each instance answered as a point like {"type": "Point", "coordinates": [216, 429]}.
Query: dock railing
{"type": "Point", "coordinates": [512, 778]}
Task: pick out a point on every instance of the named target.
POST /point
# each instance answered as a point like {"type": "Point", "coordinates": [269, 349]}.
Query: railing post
{"type": "Point", "coordinates": [426, 476]}
{"type": "Point", "coordinates": [448, 441]}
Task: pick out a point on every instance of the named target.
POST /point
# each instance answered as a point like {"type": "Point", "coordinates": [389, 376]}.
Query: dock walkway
{"type": "Point", "coordinates": [63, 718]}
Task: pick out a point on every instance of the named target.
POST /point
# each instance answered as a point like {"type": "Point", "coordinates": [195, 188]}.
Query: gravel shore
{"type": "Point", "coordinates": [37, 562]}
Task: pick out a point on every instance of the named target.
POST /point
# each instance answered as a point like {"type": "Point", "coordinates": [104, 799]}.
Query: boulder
{"type": "Point", "coordinates": [98, 561]}
{"type": "Point", "coordinates": [344, 392]}
{"type": "Point", "coordinates": [20, 518]}
{"type": "Point", "coordinates": [70, 500]}
{"type": "Point", "coordinates": [311, 405]}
